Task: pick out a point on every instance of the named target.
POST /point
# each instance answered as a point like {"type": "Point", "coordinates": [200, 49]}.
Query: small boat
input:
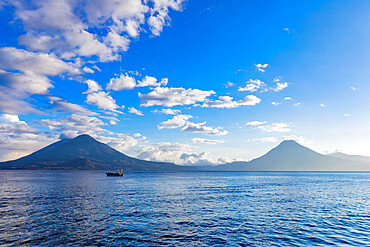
{"type": "Point", "coordinates": [115, 174]}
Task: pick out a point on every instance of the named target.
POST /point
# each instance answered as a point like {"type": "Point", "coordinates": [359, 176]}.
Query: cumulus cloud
{"type": "Point", "coordinates": [149, 81]}
{"type": "Point", "coordinates": [164, 151]}
{"type": "Point", "coordinates": [11, 124]}
{"type": "Point", "coordinates": [177, 153]}
{"type": "Point", "coordinates": [280, 86]}
{"type": "Point", "coordinates": [175, 122]}
{"type": "Point", "coordinates": [124, 81]}
{"type": "Point", "coordinates": [121, 143]}
{"type": "Point", "coordinates": [88, 70]}
{"type": "Point", "coordinates": [17, 138]}
{"type": "Point", "coordinates": [228, 102]}
{"type": "Point", "coordinates": [252, 85]}
{"type": "Point", "coordinates": [206, 141]}
{"type": "Point", "coordinates": [93, 86]}
{"type": "Point", "coordinates": [33, 70]}
{"type": "Point", "coordinates": [23, 73]}
{"type": "Point", "coordinates": [103, 101]}
{"type": "Point", "coordinates": [168, 111]}
{"type": "Point", "coordinates": [275, 103]}
{"type": "Point", "coordinates": [288, 98]}
{"type": "Point", "coordinates": [202, 128]}
{"type": "Point", "coordinates": [135, 111]}
{"type": "Point", "coordinates": [261, 67]}
{"type": "Point", "coordinates": [65, 27]}
{"type": "Point", "coordinates": [173, 96]}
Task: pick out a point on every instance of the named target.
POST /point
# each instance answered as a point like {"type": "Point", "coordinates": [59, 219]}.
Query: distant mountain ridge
{"type": "Point", "coordinates": [291, 156]}
{"type": "Point", "coordinates": [85, 153]}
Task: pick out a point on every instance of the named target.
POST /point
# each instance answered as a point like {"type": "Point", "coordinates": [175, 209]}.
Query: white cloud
{"type": "Point", "coordinates": [15, 145]}
{"type": "Point", "coordinates": [18, 139]}
{"type": "Point", "coordinates": [11, 124]}
{"type": "Point", "coordinates": [263, 139]}
{"type": "Point", "coordinates": [75, 124]}
{"type": "Point", "coordinates": [96, 68]}
{"type": "Point", "coordinates": [346, 115]}
{"type": "Point", "coordinates": [275, 127]}
{"type": "Point", "coordinates": [63, 105]}
{"type": "Point", "coordinates": [36, 63]}
{"type": "Point", "coordinates": [207, 141]}
{"type": "Point", "coordinates": [121, 143]}
{"type": "Point", "coordinates": [322, 105]}
{"type": "Point", "coordinates": [173, 96]}
{"type": "Point", "coordinates": [255, 123]}
{"type": "Point", "coordinates": [33, 68]}
{"type": "Point", "coordinates": [150, 81]}
{"type": "Point", "coordinates": [353, 88]}
{"type": "Point", "coordinates": [201, 128]}
{"type": "Point", "coordinates": [288, 98]}
{"type": "Point", "coordinates": [23, 73]}
{"type": "Point", "coordinates": [135, 111]}
{"type": "Point", "coordinates": [229, 84]}
{"type": "Point", "coordinates": [227, 102]}
{"type": "Point", "coordinates": [252, 85]}
{"type": "Point", "coordinates": [103, 101]}
{"type": "Point", "coordinates": [297, 104]}
{"type": "Point", "coordinates": [280, 86]}
{"type": "Point", "coordinates": [164, 151]}
{"type": "Point", "coordinates": [168, 111]}
{"type": "Point", "coordinates": [65, 26]}
{"type": "Point", "coordinates": [112, 120]}
{"type": "Point", "coordinates": [93, 86]}
{"type": "Point", "coordinates": [137, 135]}
{"type": "Point", "coordinates": [73, 121]}
{"type": "Point", "coordinates": [300, 139]}
{"type": "Point", "coordinates": [175, 122]}
{"type": "Point", "coordinates": [287, 29]}
{"type": "Point", "coordinates": [177, 153]}
{"type": "Point", "coordinates": [88, 70]}
{"type": "Point", "coordinates": [121, 82]}
{"type": "Point", "coordinates": [9, 118]}
{"type": "Point", "coordinates": [10, 102]}
{"type": "Point", "coordinates": [275, 103]}
{"type": "Point", "coordinates": [261, 67]}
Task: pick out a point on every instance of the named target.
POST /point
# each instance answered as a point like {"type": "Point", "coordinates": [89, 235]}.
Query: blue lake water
{"type": "Point", "coordinates": [184, 209]}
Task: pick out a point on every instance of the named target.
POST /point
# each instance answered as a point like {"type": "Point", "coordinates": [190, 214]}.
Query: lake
{"type": "Point", "coordinates": [184, 209]}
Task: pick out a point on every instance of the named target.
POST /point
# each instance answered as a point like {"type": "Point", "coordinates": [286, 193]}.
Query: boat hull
{"type": "Point", "coordinates": [114, 174]}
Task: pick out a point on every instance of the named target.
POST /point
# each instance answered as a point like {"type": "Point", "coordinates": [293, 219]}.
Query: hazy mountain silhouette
{"type": "Point", "coordinates": [84, 152]}
{"type": "Point", "coordinates": [291, 156]}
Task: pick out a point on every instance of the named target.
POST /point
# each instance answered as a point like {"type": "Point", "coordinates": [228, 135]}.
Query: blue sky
{"type": "Point", "coordinates": [201, 82]}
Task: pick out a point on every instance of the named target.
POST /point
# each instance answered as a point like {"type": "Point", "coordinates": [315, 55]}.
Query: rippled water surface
{"type": "Point", "coordinates": [184, 209]}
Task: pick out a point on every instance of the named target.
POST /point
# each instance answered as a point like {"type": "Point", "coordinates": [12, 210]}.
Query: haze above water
{"type": "Point", "coordinates": [219, 208]}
